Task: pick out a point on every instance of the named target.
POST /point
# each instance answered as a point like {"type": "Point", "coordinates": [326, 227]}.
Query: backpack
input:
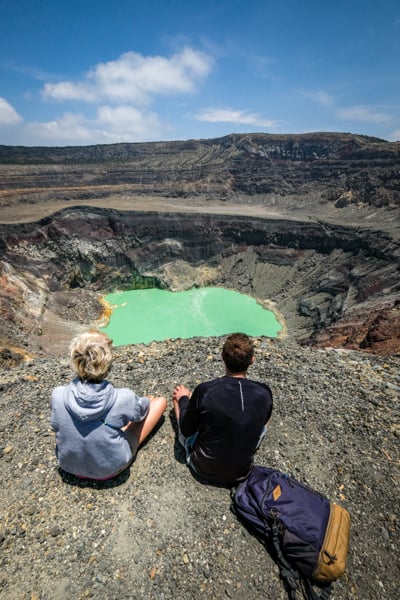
{"type": "Point", "coordinates": [308, 533]}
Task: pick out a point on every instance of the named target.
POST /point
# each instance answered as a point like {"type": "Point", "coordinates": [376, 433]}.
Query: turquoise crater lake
{"type": "Point", "coordinates": [143, 316]}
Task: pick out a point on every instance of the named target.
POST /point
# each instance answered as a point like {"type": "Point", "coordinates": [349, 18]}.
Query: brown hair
{"type": "Point", "coordinates": [90, 356]}
{"type": "Point", "coordinates": [238, 352]}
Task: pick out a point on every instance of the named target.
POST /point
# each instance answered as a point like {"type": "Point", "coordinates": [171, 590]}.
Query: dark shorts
{"type": "Point", "coordinates": [188, 443]}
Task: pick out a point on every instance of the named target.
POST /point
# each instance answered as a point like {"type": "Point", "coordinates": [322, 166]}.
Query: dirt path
{"type": "Point", "coordinates": [267, 208]}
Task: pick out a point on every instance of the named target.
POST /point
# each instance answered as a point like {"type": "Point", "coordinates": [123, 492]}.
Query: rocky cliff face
{"type": "Point", "coordinates": [309, 222]}
{"type": "Point", "coordinates": [337, 168]}
{"type": "Point", "coordinates": [332, 284]}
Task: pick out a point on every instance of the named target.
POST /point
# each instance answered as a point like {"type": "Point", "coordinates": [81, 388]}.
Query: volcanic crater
{"type": "Point", "coordinates": [307, 224]}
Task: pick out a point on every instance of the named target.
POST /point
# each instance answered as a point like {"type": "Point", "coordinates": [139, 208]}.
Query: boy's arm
{"type": "Point", "coordinates": [269, 416]}
{"type": "Point", "coordinates": [54, 400]}
{"type": "Point", "coordinates": [189, 417]}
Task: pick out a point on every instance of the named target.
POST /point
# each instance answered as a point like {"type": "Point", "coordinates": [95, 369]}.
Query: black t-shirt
{"type": "Point", "coordinates": [229, 414]}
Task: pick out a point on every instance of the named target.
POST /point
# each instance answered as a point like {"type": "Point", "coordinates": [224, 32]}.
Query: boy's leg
{"type": "Point", "coordinates": [138, 432]}
{"type": "Point", "coordinates": [262, 436]}
{"type": "Point", "coordinates": [176, 409]}
{"type": "Point", "coordinates": [186, 442]}
{"type": "Point", "coordinates": [181, 438]}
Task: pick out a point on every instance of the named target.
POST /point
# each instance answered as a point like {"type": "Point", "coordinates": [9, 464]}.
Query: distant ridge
{"type": "Point", "coordinates": [331, 166]}
{"type": "Point", "coordinates": [309, 221]}
{"type": "Point", "coordinates": [127, 151]}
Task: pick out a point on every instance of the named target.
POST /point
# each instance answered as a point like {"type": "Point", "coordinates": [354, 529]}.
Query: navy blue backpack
{"type": "Point", "coordinates": [307, 533]}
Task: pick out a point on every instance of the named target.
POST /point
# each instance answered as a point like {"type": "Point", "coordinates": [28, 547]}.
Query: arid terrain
{"type": "Point", "coordinates": [307, 224]}
{"type": "Point", "coordinates": [160, 533]}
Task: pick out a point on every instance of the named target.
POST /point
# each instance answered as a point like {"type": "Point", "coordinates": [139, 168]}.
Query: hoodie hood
{"type": "Point", "coordinates": [89, 401]}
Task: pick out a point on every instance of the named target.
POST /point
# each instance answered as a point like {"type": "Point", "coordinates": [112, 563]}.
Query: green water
{"type": "Point", "coordinates": [143, 316]}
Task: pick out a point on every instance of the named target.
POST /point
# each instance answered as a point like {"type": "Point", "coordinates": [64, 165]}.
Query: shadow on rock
{"type": "Point", "coordinates": [119, 479]}
{"type": "Point", "coordinates": [93, 483]}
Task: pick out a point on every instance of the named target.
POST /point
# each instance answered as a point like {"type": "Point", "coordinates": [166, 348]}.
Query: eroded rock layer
{"type": "Point", "coordinates": [334, 285]}
{"type": "Point", "coordinates": [336, 168]}
{"type": "Point", "coordinates": [309, 222]}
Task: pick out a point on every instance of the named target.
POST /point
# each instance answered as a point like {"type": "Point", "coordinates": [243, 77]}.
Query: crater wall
{"type": "Point", "coordinates": [334, 285]}
{"type": "Point", "coordinates": [308, 222]}
{"type": "Point", "coordinates": [335, 168]}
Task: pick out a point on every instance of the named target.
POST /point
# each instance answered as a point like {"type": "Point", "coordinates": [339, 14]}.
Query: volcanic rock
{"type": "Point", "coordinates": [309, 223]}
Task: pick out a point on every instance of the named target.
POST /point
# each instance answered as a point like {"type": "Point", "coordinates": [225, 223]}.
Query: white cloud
{"type": "Point", "coordinates": [111, 124]}
{"type": "Point", "coordinates": [134, 78]}
{"type": "Point", "coordinates": [66, 90]}
{"type": "Point", "coordinates": [363, 113]}
{"type": "Point", "coordinates": [30, 71]}
{"type": "Point", "coordinates": [126, 123]}
{"type": "Point", "coordinates": [69, 128]}
{"type": "Point", "coordinates": [320, 97]}
{"type": "Point", "coordinates": [228, 115]}
{"type": "Point", "coordinates": [395, 136]}
{"type": "Point", "coordinates": [8, 114]}
{"type": "Point", "coordinates": [117, 88]}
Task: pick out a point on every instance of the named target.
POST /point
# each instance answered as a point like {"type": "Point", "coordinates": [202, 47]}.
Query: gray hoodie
{"type": "Point", "coordinates": [85, 445]}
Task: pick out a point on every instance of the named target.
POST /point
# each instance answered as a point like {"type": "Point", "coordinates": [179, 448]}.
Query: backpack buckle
{"type": "Point", "coordinates": [331, 558]}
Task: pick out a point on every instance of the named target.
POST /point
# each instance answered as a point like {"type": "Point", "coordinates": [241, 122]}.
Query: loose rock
{"type": "Point", "coordinates": [157, 532]}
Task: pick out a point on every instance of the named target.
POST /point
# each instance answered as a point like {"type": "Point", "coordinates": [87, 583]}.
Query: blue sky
{"type": "Point", "coordinates": [90, 71]}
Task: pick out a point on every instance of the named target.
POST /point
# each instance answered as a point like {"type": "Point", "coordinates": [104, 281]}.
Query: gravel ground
{"type": "Point", "coordinates": [162, 534]}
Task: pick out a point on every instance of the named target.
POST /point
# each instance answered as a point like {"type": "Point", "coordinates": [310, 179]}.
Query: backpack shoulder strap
{"type": "Point", "coordinates": [289, 575]}
{"type": "Point", "coordinates": [311, 594]}
{"type": "Point", "coordinates": [292, 579]}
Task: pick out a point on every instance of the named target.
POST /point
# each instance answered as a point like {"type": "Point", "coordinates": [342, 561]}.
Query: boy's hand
{"type": "Point", "coordinates": [179, 391]}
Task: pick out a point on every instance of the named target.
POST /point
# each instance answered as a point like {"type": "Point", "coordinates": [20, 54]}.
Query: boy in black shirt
{"type": "Point", "coordinates": [223, 422]}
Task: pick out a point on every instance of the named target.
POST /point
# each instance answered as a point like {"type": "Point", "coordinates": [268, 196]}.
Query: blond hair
{"type": "Point", "coordinates": [90, 356]}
